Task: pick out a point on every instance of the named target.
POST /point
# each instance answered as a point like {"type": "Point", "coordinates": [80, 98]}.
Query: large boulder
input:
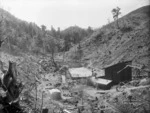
{"type": "Point", "coordinates": [145, 81]}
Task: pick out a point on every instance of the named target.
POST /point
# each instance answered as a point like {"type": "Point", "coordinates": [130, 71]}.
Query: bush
{"type": "Point", "coordinates": [126, 29]}
{"type": "Point", "coordinates": [98, 36]}
{"type": "Point", "coordinates": [124, 108]}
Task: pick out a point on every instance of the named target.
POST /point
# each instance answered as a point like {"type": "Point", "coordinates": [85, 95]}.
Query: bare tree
{"type": "Point", "coordinates": [51, 47]}
{"type": "Point", "coordinates": [116, 12]}
{"type": "Point", "coordinates": [35, 93]}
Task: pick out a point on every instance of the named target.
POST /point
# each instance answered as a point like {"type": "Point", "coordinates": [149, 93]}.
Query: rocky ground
{"type": "Point", "coordinates": [77, 97]}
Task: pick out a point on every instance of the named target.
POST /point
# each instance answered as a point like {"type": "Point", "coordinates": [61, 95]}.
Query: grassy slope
{"type": "Point", "coordinates": [109, 45]}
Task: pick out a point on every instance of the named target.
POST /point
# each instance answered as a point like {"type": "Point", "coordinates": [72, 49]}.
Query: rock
{"type": "Point", "coordinates": [144, 81]}
{"type": "Point", "coordinates": [55, 94]}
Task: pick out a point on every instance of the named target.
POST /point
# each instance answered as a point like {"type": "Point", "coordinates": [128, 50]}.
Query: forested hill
{"type": "Point", "coordinates": [110, 44]}
{"type": "Point", "coordinates": [22, 36]}
{"type": "Point", "coordinates": [19, 33]}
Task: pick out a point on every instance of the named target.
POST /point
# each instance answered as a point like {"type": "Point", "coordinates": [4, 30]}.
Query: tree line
{"type": "Point", "coordinates": [28, 37]}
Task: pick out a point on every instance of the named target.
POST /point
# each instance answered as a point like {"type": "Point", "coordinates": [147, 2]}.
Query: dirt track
{"type": "Point", "coordinates": [93, 92]}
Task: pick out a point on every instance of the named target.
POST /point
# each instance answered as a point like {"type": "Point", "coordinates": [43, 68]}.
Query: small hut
{"type": "Point", "coordinates": [120, 72]}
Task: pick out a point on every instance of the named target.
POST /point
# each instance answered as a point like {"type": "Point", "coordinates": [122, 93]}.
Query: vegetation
{"type": "Point", "coordinates": [28, 37]}
{"type": "Point", "coordinates": [122, 43]}
{"type": "Point", "coordinates": [116, 12]}
{"type": "Point", "coordinates": [40, 64]}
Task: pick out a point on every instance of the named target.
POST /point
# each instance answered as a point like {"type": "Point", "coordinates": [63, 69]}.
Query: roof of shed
{"type": "Point", "coordinates": [80, 72]}
{"type": "Point", "coordinates": [116, 63]}
{"type": "Point", "coordinates": [101, 81]}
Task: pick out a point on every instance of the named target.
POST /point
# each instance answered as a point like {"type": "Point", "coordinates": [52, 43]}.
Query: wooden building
{"type": "Point", "coordinates": [120, 72]}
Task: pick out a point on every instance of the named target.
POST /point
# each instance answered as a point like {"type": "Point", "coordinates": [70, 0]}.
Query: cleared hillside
{"type": "Point", "coordinates": [109, 45]}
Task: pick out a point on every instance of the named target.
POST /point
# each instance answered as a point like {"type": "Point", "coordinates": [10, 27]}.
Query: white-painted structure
{"type": "Point", "coordinates": [81, 72]}
{"type": "Point", "coordinates": [66, 111]}
{"type": "Point", "coordinates": [102, 81]}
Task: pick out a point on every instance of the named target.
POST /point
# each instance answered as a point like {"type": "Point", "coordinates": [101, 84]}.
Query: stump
{"type": "Point", "coordinates": [11, 87]}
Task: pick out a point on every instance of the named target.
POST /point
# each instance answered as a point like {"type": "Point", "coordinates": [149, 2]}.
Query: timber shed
{"type": "Point", "coordinates": [120, 72]}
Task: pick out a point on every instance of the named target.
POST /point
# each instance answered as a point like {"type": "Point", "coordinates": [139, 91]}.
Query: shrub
{"type": "Point", "coordinates": [98, 36]}
{"type": "Point", "coordinates": [126, 29]}
{"type": "Point", "coordinates": [124, 108]}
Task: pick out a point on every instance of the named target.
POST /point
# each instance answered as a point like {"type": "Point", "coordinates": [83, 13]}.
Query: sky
{"type": "Point", "coordinates": [65, 13]}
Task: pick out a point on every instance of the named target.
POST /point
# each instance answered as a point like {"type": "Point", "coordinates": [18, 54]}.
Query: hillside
{"type": "Point", "coordinates": [38, 73]}
{"type": "Point", "coordinates": [22, 36]}
{"type": "Point", "coordinates": [19, 34]}
{"type": "Point", "coordinates": [109, 45]}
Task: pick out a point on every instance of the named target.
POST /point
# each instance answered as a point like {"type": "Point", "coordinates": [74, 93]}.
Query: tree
{"type": "Point", "coordinates": [53, 32]}
{"type": "Point", "coordinates": [67, 43]}
{"type": "Point", "coordinates": [116, 12]}
{"type": "Point", "coordinates": [89, 31]}
{"type": "Point", "coordinates": [43, 27]}
{"type": "Point", "coordinates": [58, 33]}
{"type": "Point", "coordinates": [79, 52]}
{"type": "Point", "coordinates": [1, 32]}
{"type": "Point", "coordinates": [51, 46]}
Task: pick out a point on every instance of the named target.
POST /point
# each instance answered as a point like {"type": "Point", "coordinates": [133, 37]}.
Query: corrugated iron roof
{"type": "Point", "coordinates": [115, 63]}
{"type": "Point", "coordinates": [80, 72]}
{"type": "Point", "coordinates": [102, 81]}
